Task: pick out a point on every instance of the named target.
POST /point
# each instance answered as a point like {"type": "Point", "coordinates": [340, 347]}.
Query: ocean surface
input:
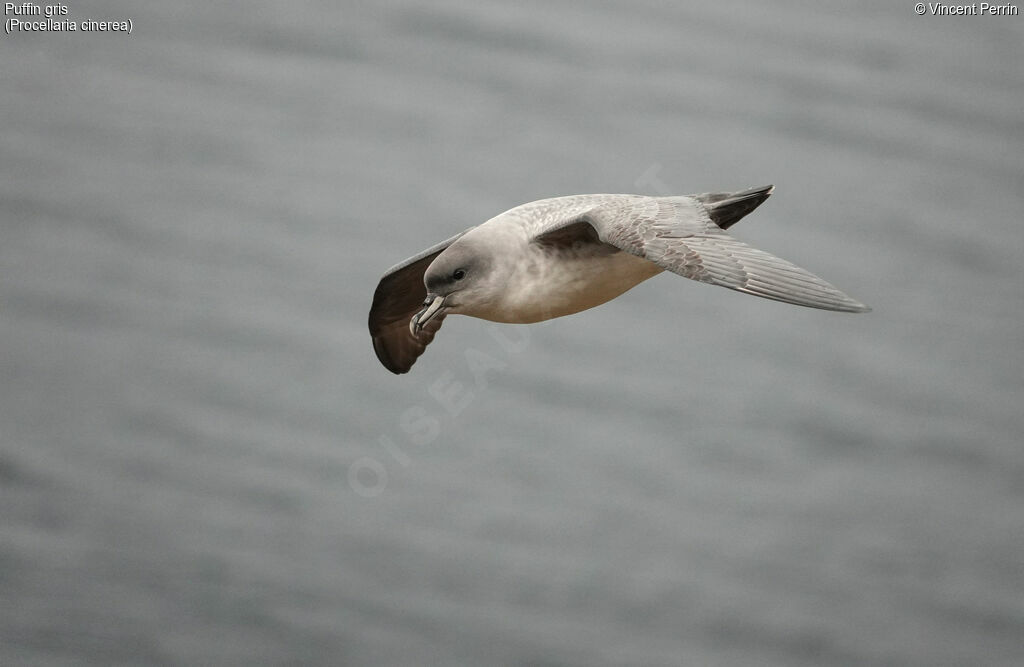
{"type": "Point", "coordinates": [203, 462]}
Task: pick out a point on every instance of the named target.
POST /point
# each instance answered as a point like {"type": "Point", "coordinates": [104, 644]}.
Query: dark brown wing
{"type": "Point", "coordinates": [399, 295]}
{"type": "Point", "coordinates": [398, 349]}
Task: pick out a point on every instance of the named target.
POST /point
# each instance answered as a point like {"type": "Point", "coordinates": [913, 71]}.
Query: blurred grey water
{"type": "Point", "coordinates": [202, 462]}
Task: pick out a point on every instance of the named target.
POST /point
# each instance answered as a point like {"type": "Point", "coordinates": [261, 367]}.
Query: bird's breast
{"type": "Point", "coordinates": [552, 283]}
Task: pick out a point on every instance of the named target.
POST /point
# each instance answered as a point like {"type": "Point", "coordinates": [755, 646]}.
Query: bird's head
{"type": "Point", "coordinates": [459, 280]}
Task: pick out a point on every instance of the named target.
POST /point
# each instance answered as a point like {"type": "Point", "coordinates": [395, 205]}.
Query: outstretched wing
{"type": "Point", "coordinates": [399, 294]}
{"type": "Point", "coordinates": [720, 259]}
{"type": "Point", "coordinates": [686, 235]}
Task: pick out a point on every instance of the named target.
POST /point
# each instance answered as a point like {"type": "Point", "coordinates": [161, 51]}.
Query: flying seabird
{"type": "Point", "coordinates": [558, 256]}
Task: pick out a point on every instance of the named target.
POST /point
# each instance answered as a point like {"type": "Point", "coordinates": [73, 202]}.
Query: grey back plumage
{"type": "Point", "coordinates": [681, 235]}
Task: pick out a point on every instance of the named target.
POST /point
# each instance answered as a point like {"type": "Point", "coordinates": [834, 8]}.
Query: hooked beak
{"type": "Point", "coordinates": [433, 305]}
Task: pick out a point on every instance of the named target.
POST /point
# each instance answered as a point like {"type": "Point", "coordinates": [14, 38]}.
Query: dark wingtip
{"type": "Point", "coordinates": [728, 209]}
{"type": "Point", "coordinates": [386, 360]}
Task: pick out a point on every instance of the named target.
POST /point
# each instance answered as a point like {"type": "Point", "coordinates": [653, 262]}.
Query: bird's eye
{"type": "Point", "coordinates": [459, 274]}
